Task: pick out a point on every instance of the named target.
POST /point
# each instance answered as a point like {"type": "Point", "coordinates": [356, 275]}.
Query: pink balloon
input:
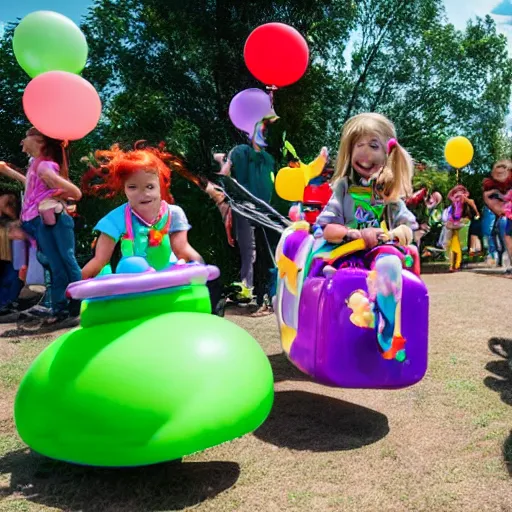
{"type": "Point", "coordinates": [62, 105]}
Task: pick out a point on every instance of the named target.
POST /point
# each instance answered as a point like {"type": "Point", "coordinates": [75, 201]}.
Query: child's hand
{"type": "Point", "coordinates": [402, 234]}
{"type": "Point", "coordinates": [16, 233]}
{"type": "Point", "coordinates": [371, 237]}
{"type": "Point", "coordinates": [353, 234]}
{"type": "Point", "coordinates": [216, 193]}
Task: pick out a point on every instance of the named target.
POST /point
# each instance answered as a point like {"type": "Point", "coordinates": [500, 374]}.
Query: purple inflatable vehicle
{"type": "Point", "coordinates": [345, 325]}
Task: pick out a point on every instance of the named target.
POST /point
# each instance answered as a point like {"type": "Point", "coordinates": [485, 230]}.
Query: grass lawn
{"type": "Point", "coordinates": [442, 445]}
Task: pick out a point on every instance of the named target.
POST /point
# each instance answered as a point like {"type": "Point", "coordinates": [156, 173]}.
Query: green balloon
{"type": "Point", "coordinates": [48, 41]}
{"type": "Point", "coordinates": [144, 390]}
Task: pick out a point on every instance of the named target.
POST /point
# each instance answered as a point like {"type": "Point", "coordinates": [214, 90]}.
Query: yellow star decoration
{"type": "Point", "coordinates": [288, 335]}
{"type": "Point", "coordinates": [289, 271]}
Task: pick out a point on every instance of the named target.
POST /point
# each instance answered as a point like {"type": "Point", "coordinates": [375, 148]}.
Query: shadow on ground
{"type": "Point", "coordinates": [170, 486]}
{"type": "Point", "coordinates": [501, 382]}
{"type": "Point", "coordinates": [283, 369]}
{"type": "Point", "coordinates": [306, 421]}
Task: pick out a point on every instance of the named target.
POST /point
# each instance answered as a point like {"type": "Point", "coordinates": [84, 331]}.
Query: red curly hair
{"type": "Point", "coordinates": [116, 166]}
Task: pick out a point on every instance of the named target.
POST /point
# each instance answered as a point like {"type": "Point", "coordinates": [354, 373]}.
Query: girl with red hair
{"type": "Point", "coordinates": [148, 224]}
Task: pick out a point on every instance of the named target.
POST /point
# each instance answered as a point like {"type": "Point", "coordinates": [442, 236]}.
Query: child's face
{"type": "Point", "coordinates": [142, 190]}
{"type": "Point", "coordinates": [32, 144]}
{"type": "Point", "coordinates": [368, 156]}
{"type": "Point", "coordinates": [459, 195]}
{"type": "Point", "coordinates": [502, 171]}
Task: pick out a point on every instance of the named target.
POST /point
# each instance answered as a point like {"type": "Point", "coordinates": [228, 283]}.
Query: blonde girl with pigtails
{"type": "Point", "coordinates": [373, 175]}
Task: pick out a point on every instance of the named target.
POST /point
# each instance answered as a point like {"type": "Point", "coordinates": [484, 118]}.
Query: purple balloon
{"type": "Point", "coordinates": [248, 107]}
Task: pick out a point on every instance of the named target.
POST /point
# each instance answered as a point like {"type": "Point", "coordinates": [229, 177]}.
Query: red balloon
{"type": "Point", "coordinates": [276, 54]}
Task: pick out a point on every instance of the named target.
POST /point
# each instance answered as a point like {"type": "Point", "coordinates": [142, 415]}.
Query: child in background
{"type": "Point", "coordinates": [45, 219]}
{"type": "Point", "coordinates": [495, 188]}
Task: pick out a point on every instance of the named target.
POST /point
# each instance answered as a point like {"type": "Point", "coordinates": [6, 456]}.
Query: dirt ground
{"type": "Point", "coordinates": [442, 445]}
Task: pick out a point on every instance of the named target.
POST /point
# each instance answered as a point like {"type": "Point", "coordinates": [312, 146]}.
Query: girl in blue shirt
{"type": "Point", "coordinates": [147, 225]}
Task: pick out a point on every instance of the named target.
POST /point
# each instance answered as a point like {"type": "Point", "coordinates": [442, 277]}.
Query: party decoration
{"type": "Point", "coordinates": [148, 377]}
{"type": "Point", "coordinates": [291, 181]}
{"type": "Point", "coordinates": [249, 107]}
{"type": "Point", "coordinates": [48, 41]}
{"type": "Point", "coordinates": [62, 105]}
{"type": "Point", "coordinates": [458, 152]}
{"type": "Point", "coordinates": [276, 54]}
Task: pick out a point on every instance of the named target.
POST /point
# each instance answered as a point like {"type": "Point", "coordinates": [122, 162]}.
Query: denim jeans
{"type": "Point", "coordinates": [499, 237]}
{"type": "Point", "coordinates": [488, 220]}
{"type": "Point", "coordinates": [494, 233]}
{"type": "Point", "coordinates": [57, 243]}
{"type": "Point", "coordinates": [244, 234]}
{"type": "Point", "coordinates": [10, 284]}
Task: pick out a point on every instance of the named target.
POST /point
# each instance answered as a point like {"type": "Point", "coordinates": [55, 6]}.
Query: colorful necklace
{"type": "Point", "coordinates": [158, 245]}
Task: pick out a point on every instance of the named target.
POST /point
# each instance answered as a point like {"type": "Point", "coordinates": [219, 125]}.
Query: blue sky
{"type": "Point", "coordinates": [12, 9]}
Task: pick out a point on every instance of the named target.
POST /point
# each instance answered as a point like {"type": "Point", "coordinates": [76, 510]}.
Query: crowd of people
{"type": "Point", "coordinates": [373, 176]}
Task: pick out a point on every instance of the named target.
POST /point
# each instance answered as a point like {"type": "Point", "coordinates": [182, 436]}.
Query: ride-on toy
{"type": "Point", "coordinates": [330, 323]}
{"type": "Point", "coordinates": [149, 376]}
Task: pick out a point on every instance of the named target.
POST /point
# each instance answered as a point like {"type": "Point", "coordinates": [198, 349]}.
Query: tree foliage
{"type": "Point", "coordinates": [168, 70]}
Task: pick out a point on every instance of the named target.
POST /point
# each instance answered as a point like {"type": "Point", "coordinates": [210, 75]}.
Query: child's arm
{"type": "Point", "coordinates": [403, 223]}
{"type": "Point", "coordinates": [472, 204]}
{"type": "Point", "coordinates": [333, 222]}
{"type": "Point", "coordinates": [402, 216]}
{"type": "Point", "coordinates": [66, 189]}
{"type": "Point", "coordinates": [492, 198]}
{"type": "Point", "coordinates": [11, 173]}
{"type": "Point", "coordinates": [182, 249]}
{"type": "Point", "coordinates": [178, 235]}
{"type": "Point", "coordinates": [336, 233]}
{"type": "Point", "coordinates": [331, 218]}
{"type": "Point", "coordinates": [102, 254]}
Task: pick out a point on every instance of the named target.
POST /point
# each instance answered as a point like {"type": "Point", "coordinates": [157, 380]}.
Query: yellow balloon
{"type": "Point", "coordinates": [458, 152]}
{"type": "Point", "coordinates": [291, 181]}
{"type": "Point", "coordinates": [290, 184]}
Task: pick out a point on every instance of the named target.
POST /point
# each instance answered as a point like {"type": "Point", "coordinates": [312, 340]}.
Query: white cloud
{"type": "Point", "coordinates": [459, 12]}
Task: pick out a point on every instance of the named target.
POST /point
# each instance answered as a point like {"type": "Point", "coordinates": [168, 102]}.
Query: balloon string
{"type": "Point", "coordinates": [64, 172]}
{"type": "Point", "coordinates": [271, 88]}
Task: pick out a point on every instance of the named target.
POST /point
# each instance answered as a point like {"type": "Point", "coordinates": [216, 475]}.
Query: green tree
{"type": "Point", "coordinates": [13, 81]}
{"type": "Point", "coordinates": [432, 80]}
{"type": "Point", "coordinates": [169, 74]}
{"type": "Point", "coordinates": [167, 71]}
